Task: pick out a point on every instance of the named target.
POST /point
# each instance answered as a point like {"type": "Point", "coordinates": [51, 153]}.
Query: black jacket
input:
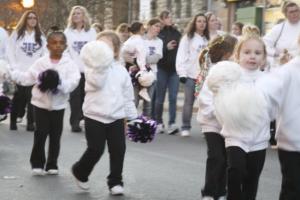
{"type": "Point", "coordinates": [167, 34]}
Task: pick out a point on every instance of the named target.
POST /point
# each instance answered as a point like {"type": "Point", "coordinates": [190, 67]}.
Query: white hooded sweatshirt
{"type": "Point", "coordinates": [69, 78]}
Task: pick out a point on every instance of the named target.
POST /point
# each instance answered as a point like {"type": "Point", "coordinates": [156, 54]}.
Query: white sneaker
{"type": "Point", "coordinates": [144, 94]}
{"type": "Point", "coordinates": [37, 172]}
{"type": "Point", "coordinates": [117, 190]}
{"type": "Point", "coordinates": [207, 198]}
{"type": "Point", "coordinates": [173, 129]}
{"type": "Point", "coordinates": [19, 119]}
{"type": "Point", "coordinates": [160, 128]}
{"type": "Point", "coordinates": [52, 172]}
{"type": "Point", "coordinates": [81, 185]}
{"type": "Point", "coordinates": [185, 133]}
{"type": "Point", "coordinates": [222, 198]}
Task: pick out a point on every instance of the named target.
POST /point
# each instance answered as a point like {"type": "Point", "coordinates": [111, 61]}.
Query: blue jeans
{"type": "Point", "coordinates": [166, 80]}
{"type": "Point", "coordinates": [189, 98]}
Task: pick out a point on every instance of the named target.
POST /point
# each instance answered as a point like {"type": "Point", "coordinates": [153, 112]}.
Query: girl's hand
{"type": "Point", "coordinates": [171, 45]}
{"type": "Point", "coordinates": [286, 57]}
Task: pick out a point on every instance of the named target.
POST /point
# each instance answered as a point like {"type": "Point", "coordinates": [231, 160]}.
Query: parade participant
{"type": "Point", "coordinates": [26, 44]}
{"type": "Point", "coordinates": [195, 39]}
{"type": "Point", "coordinates": [123, 32]}
{"type": "Point", "coordinates": [219, 49]}
{"type": "Point", "coordinates": [245, 148]}
{"type": "Point", "coordinates": [108, 102]}
{"type": "Point", "coordinates": [53, 77]}
{"type": "Point", "coordinates": [236, 29]}
{"type": "Point", "coordinates": [213, 25]}
{"type": "Point", "coordinates": [167, 77]}
{"type": "Point", "coordinates": [78, 32]}
{"type": "Point", "coordinates": [280, 40]}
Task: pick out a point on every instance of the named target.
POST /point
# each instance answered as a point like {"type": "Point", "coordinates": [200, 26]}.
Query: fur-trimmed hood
{"type": "Point", "coordinates": [97, 55]}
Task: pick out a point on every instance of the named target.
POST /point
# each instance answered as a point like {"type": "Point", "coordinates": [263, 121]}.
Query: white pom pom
{"type": "Point", "coordinates": [223, 74]}
{"type": "Point", "coordinates": [97, 54]}
{"type": "Point", "coordinates": [145, 78]}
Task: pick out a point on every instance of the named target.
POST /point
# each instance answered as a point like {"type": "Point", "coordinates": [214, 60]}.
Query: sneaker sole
{"type": "Point", "coordinates": [173, 132]}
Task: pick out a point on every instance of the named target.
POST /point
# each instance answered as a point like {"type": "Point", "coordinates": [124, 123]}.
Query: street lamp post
{"type": "Point", "coordinates": [27, 3]}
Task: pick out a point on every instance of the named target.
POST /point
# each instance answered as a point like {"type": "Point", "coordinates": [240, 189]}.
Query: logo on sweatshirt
{"type": "Point", "coordinates": [151, 51]}
{"type": "Point", "coordinates": [30, 48]}
{"type": "Point", "coordinates": [77, 45]}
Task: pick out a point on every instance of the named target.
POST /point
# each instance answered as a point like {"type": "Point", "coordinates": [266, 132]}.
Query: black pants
{"type": "Point", "coordinates": [215, 176]}
{"type": "Point", "coordinates": [21, 99]}
{"type": "Point", "coordinates": [97, 134]}
{"type": "Point", "coordinates": [244, 170]}
{"type": "Point", "coordinates": [290, 169]}
{"type": "Point", "coordinates": [48, 123]}
{"type": "Point", "coordinates": [76, 101]}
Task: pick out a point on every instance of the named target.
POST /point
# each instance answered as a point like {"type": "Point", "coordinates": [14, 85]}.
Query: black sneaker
{"type": "Point", "coordinates": [76, 129]}
{"type": "Point", "coordinates": [30, 127]}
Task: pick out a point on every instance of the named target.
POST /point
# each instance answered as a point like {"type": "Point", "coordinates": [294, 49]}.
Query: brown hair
{"type": "Point", "coordinates": [191, 28]}
{"type": "Point", "coordinates": [153, 21]}
{"type": "Point", "coordinates": [217, 48]}
{"type": "Point", "coordinates": [22, 24]}
{"type": "Point", "coordinates": [98, 27]}
{"type": "Point", "coordinates": [114, 38]}
{"type": "Point", "coordinates": [135, 27]}
{"type": "Point", "coordinates": [286, 5]}
{"type": "Point", "coordinates": [123, 27]}
{"type": "Point", "coordinates": [164, 14]}
{"type": "Point", "coordinates": [239, 24]}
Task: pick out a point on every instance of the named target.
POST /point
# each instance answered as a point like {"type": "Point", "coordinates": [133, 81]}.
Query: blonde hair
{"type": "Point", "coordinates": [244, 39]}
{"type": "Point", "coordinates": [123, 27]}
{"type": "Point", "coordinates": [250, 30]}
{"type": "Point", "coordinates": [114, 38]}
{"type": "Point", "coordinates": [86, 18]}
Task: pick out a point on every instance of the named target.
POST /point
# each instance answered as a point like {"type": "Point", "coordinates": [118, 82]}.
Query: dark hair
{"type": "Point", "coordinates": [217, 48]}
{"type": "Point", "coordinates": [21, 27]}
{"type": "Point", "coordinates": [164, 14]}
{"type": "Point", "coordinates": [53, 31]}
{"type": "Point", "coordinates": [239, 24]}
{"type": "Point", "coordinates": [135, 27]}
{"type": "Point", "coordinates": [191, 28]}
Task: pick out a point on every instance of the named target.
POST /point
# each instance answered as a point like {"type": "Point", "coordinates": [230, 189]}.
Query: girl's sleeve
{"type": "Point", "coordinates": [270, 39]}
{"type": "Point", "coordinates": [206, 103]}
{"type": "Point", "coordinates": [182, 57]}
{"type": "Point", "coordinates": [11, 50]}
{"type": "Point", "coordinates": [70, 81]}
{"type": "Point", "coordinates": [27, 78]}
{"type": "Point", "coordinates": [130, 108]}
{"type": "Point", "coordinates": [141, 56]}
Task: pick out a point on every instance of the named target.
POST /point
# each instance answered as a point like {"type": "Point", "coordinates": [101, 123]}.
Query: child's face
{"type": "Point", "coordinates": [251, 55]}
{"type": "Point", "coordinates": [235, 30]}
{"type": "Point", "coordinates": [56, 45]}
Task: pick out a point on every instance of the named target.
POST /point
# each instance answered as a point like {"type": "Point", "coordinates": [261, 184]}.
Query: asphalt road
{"type": "Point", "coordinates": [169, 168]}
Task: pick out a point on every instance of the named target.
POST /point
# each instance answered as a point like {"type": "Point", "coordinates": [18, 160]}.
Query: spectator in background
{"type": "Point", "coordinates": [167, 77]}
{"type": "Point", "coordinates": [236, 29]}
{"type": "Point", "coordinates": [3, 41]}
{"type": "Point", "coordinates": [213, 26]}
{"type": "Point", "coordinates": [78, 33]}
{"type": "Point", "coordinates": [123, 32]}
{"type": "Point", "coordinates": [98, 27]}
{"type": "Point", "coordinates": [280, 41]}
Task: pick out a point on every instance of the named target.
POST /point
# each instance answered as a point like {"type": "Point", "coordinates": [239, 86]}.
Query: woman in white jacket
{"type": "Point", "coordinates": [221, 48]}
{"type": "Point", "coordinates": [26, 44]}
{"type": "Point", "coordinates": [187, 67]}
{"type": "Point", "coordinates": [49, 105]}
{"type": "Point", "coordinates": [78, 32]}
{"type": "Point", "coordinates": [109, 100]}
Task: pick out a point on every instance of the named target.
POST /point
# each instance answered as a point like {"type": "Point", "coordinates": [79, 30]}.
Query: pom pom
{"type": "Point", "coordinates": [223, 74]}
{"type": "Point", "coordinates": [4, 73]}
{"type": "Point", "coordinates": [97, 54]}
{"type": "Point", "coordinates": [5, 107]}
{"type": "Point", "coordinates": [141, 129]}
{"type": "Point", "coordinates": [48, 81]}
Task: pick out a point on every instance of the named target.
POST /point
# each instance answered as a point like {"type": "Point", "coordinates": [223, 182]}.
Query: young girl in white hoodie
{"type": "Point", "coordinates": [78, 32]}
{"type": "Point", "coordinates": [221, 48]}
{"type": "Point", "coordinates": [49, 105]}
{"type": "Point", "coordinates": [245, 148]}
{"type": "Point", "coordinates": [25, 45]}
{"type": "Point", "coordinates": [187, 68]}
{"type": "Point", "coordinates": [109, 100]}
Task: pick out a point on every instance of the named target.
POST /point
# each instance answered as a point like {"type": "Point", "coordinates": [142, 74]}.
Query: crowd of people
{"type": "Point", "coordinates": [84, 66]}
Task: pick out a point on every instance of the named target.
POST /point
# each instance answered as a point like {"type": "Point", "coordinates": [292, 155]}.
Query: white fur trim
{"type": "Point", "coordinates": [145, 78]}
{"type": "Point", "coordinates": [223, 74]}
{"type": "Point", "coordinates": [4, 73]}
{"type": "Point", "coordinates": [97, 54]}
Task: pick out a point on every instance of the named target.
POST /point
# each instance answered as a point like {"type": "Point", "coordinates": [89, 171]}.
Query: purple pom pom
{"type": "Point", "coordinates": [141, 129]}
{"type": "Point", "coordinates": [5, 106]}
